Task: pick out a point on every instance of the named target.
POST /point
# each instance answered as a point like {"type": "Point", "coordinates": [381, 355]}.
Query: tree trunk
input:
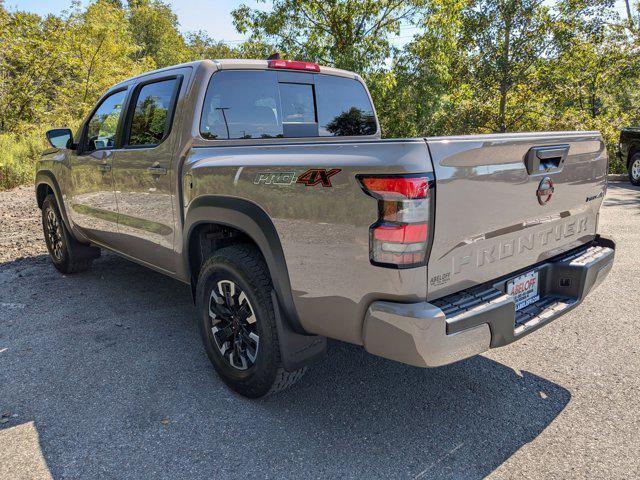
{"type": "Point", "coordinates": [630, 16]}
{"type": "Point", "coordinates": [502, 116]}
{"type": "Point", "coordinates": [505, 77]}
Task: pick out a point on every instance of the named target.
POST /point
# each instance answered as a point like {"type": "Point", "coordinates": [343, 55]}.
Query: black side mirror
{"type": "Point", "coordinates": [60, 138]}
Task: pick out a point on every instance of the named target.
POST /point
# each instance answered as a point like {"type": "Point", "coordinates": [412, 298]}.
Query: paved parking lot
{"type": "Point", "coordinates": [102, 375]}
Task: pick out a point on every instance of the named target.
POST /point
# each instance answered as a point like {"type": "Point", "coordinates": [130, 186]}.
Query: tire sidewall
{"type": "Point", "coordinates": [635, 158]}
{"type": "Point", "coordinates": [263, 372]}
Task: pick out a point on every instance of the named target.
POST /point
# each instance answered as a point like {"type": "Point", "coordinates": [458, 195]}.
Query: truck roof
{"type": "Point", "coordinates": [236, 64]}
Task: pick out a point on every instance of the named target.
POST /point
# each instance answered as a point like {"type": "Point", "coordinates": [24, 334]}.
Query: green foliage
{"type": "Point", "coordinates": [472, 66]}
{"type": "Point", "coordinates": [18, 156]}
{"type": "Point", "coordinates": [349, 34]}
{"type": "Point", "coordinates": [154, 27]}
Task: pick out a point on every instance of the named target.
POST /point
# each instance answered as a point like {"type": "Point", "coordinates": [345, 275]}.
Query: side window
{"type": "Point", "coordinates": [298, 110]}
{"type": "Point", "coordinates": [344, 108]}
{"type": "Point", "coordinates": [151, 118]}
{"type": "Point", "coordinates": [242, 104]}
{"type": "Point", "coordinates": [297, 103]}
{"type": "Point", "coordinates": [102, 126]}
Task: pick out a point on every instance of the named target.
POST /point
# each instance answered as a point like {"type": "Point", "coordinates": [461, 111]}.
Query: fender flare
{"type": "Point", "coordinates": [46, 177]}
{"type": "Point", "coordinates": [634, 148]}
{"type": "Point", "coordinates": [254, 222]}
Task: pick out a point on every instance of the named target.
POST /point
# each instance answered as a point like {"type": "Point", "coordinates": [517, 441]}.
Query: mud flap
{"type": "Point", "coordinates": [296, 350]}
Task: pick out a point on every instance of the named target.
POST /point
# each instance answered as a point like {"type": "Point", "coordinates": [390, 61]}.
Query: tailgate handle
{"type": "Point", "coordinates": [546, 159]}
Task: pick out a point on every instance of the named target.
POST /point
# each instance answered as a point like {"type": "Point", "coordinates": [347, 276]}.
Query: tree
{"type": "Point", "coordinates": [349, 34]}
{"type": "Point", "coordinates": [201, 47]}
{"type": "Point", "coordinates": [103, 53]}
{"type": "Point", "coordinates": [505, 38]}
{"type": "Point", "coordinates": [630, 19]}
{"type": "Point", "coordinates": [154, 27]}
{"type": "Point", "coordinates": [33, 68]}
{"type": "Point", "coordinates": [412, 96]}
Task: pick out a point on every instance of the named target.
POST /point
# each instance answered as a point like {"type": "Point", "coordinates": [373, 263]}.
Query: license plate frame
{"type": "Point", "coordinates": [525, 289]}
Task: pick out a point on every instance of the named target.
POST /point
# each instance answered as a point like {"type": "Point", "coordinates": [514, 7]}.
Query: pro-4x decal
{"type": "Point", "coordinates": [315, 176]}
{"type": "Point", "coordinates": [310, 178]}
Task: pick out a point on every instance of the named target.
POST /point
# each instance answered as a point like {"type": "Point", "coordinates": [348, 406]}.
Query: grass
{"type": "Point", "coordinates": [18, 157]}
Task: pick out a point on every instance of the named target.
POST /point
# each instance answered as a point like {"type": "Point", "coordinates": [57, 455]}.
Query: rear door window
{"type": "Point", "coordinates": [242, 104]}
{"type": "Point", "coordinates": [151, 118]}
{"type": "Point", "coordinates": [254, 104]}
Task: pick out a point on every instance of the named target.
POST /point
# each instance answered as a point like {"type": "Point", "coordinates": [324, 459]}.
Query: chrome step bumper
{"type": "Point", "coordinates": [470, 322]}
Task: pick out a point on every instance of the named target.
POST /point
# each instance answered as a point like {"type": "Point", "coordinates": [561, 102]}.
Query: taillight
{"type": "Point", "coordinates": [294, 65]}
{"type": "Point", "coordinates": [400, 237]}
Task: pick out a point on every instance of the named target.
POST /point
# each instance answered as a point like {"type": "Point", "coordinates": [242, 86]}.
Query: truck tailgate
{"type": "Point", "coordinates": [505, 202]}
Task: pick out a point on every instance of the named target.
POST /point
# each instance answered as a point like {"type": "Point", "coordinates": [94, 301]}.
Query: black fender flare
{"type": "Point", "coordinates": [253, 221]}
{"type": "Point", "coordinates": [298, 348]}
{"type": "Point", "coordinates": [634, 148]}
{"type": "Point", "coordinates": [46, 177]}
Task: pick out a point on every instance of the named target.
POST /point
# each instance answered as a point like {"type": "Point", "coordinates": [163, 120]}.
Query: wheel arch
{"type": "Point", "coordinates": [45, 184]}
{"type": "Point", "coordinates": [634, 148]}
{"type": "Point", "coordinates": [253, 225]}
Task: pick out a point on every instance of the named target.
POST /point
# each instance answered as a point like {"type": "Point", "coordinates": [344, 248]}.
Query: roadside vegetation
{"type": "Point", "coordinates": [464, 66]}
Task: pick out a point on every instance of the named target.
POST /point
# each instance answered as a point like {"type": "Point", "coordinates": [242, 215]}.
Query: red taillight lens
{"type": "Point", "coordinates": [401, 188]}
{"type": "Point", "coordinates": [400, 237]}
{"type": "Point", "coordinates": [400, 233]}
{"type": "Point", "coordinates": [294, 65]}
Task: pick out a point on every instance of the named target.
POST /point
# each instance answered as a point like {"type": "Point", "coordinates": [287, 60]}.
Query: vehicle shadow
{"type": "Point", "coordinates": [109, 369]}
{"type": "Point", "coordinates": [622, 194]}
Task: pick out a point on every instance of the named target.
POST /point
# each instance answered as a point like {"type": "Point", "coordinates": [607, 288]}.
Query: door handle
{"type": "Point", "coordinates": [157, 170]}
{"type": "Point", "coordinates": [546, 159]}
{"type": "Point", "coordinates": [104, 167]}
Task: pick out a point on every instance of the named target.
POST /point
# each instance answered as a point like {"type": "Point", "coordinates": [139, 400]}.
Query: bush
{"type": "Point", "coordinates": [18, 157]}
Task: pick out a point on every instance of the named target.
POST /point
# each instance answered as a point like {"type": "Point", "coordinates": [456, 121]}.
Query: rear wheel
{"type": "Point", "coordinates": [634, 169]}
{"type": "Point", "coordinates": [66, 253]}
{"type": "Point", "coordinates": [237, 322]}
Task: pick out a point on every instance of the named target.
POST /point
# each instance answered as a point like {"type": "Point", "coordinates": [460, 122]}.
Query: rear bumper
{"type": "Point", "coordinates": [473, 321]}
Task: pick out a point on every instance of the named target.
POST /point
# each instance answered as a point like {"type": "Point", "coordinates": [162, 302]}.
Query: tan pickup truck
{"type": "Point", "coordinates": [266, 187]}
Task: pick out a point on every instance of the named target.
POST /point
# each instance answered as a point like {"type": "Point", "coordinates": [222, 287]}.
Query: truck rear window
{"type": "Point", "coordinates": [260, 104]}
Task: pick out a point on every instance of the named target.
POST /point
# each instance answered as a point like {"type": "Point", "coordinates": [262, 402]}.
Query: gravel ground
{"type": "Point", "coordinates": [102, 376]}
{"type": "Point", "coordinates": [20, 228]}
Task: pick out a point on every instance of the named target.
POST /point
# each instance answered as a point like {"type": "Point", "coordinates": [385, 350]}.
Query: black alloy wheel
{"type": "Point", "coordinates": [233, 325]}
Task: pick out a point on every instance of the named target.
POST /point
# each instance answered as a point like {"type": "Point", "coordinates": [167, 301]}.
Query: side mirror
{"type": "Point", "coordinates": [60, 138]}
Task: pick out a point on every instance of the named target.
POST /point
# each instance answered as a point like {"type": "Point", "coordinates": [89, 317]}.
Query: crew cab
{"type": "Point", "coordinates": [265, 186]}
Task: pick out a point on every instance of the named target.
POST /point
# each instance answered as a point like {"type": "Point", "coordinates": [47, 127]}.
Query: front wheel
{"type": "Point", "coordinates": [237, 322]}
{"type": "Point", "coordinates": [66, 253]}
{"type": "Point", "coordinates": [634, 169]}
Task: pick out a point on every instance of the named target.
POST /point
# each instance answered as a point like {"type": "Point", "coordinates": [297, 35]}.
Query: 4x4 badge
{"type": "Point", "coordinates": [316, 176]}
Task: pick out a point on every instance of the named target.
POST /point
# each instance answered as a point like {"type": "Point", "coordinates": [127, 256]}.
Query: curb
{"type": "Point", "coordinates": [618, 177]}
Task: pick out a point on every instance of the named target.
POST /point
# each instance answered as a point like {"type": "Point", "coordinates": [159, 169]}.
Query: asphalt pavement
{"type": "Point", "coordinates": [102, 375]}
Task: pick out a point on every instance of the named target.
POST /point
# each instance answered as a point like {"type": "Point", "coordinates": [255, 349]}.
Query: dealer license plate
{"type": "Point", "coordinates": [524, 289]}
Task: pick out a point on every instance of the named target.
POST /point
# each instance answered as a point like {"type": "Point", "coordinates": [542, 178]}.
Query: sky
{"type": "Point", "coordinates": [212, 16]}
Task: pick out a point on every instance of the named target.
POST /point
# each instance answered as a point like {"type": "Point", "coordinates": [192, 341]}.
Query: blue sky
{"type": "Point", "coordinates": [212, 16]}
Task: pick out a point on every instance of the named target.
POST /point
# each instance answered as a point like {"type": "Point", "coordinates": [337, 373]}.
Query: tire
{"type": "Point", "coordinates": [66, 253]}
{"type": "Point", "coordinates": [238, 325]}
{"type": "Point", "coordinates": [634, 169]}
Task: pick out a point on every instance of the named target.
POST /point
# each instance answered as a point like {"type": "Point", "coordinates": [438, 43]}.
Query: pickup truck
{"type": "Point", "coordinates": [629, 152]}
{"type": "Point", "coordinates": [265, 186]}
